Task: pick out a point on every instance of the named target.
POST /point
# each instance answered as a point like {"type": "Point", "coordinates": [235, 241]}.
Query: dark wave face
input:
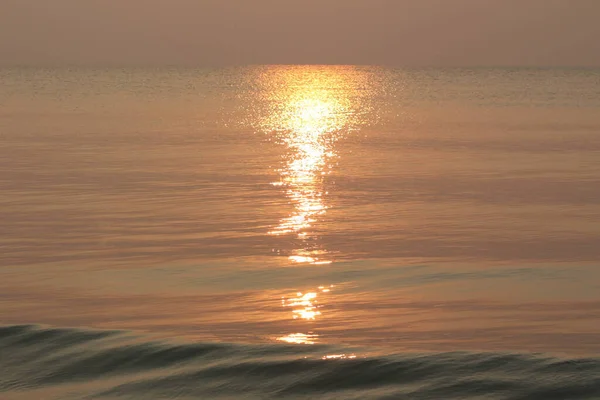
{"type": "Point", "coordinates": [68, 363]}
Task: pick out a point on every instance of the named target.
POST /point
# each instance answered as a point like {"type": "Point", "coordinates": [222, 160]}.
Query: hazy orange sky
{"type": "Point", "coordinates": [226, 32]}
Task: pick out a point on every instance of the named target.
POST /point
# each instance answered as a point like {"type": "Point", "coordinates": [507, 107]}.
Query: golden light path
{"type": "Point", "coordinates": [305, 306]}
{"type": "Point", "coordinates": [299, 338]}
{"type": "Point", "coordinates": [315, 107]}
{"type": "Point", "coordinates": [308, 121]}
{"type": "Point", "coordinates": [312, 108]}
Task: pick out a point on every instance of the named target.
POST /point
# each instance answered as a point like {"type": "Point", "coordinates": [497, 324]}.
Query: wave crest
{"type": "Point", "coordinates": [122, 365]}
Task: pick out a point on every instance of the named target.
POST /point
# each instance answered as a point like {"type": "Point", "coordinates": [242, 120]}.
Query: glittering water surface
{"type": "Point", "coordinates": [372, 210]}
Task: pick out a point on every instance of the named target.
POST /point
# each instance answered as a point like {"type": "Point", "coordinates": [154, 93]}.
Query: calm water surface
{"type": "Point", "coordinates": [374, 210]}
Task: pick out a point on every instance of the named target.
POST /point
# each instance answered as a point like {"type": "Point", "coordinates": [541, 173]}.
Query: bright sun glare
{"type": "Point", "coordinates": [317, 112]}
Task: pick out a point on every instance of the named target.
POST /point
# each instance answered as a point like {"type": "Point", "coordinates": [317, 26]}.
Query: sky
{"type": "Point", "coordinates": [234, 32]}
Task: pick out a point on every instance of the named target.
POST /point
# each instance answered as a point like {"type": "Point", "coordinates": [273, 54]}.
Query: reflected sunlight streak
{"type": "Point", "coordinates": [305, 306]}
{"type": "Point", "coordinates": [299, 338]}
{"type": "Point", "coordinates": [339, 356]}
{"type": "Point", "coordinates": [317, 107]}
{"type": "Point", "coordinates": [309, 110]}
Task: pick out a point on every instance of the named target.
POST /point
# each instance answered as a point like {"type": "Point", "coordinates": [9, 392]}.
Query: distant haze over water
{"type": "Point", "coordinates": [367, 32]}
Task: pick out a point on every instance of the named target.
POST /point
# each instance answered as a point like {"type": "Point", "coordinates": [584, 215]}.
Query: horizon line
{"type": "Point", "coordinates": [246, 65]}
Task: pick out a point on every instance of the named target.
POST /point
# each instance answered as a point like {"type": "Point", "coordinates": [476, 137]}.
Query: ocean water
{"type": "Point", "coordinates": [299, 232]}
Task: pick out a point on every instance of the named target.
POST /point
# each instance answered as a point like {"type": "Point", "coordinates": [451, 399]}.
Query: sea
{"type": "Point", "coordinates": [299, 232]}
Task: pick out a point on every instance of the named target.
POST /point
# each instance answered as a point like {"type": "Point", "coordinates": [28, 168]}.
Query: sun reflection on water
{"type": "Point", "coordinates": [299, 338]}
{"type": "Point", "coordinates": [305, 306]}
{"type": "Point", "coordinates": [313, 108]}
{"type": "Point", "coordinates": [339, 356]}
{"type": "Point", "coordinates": [310, 109]}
